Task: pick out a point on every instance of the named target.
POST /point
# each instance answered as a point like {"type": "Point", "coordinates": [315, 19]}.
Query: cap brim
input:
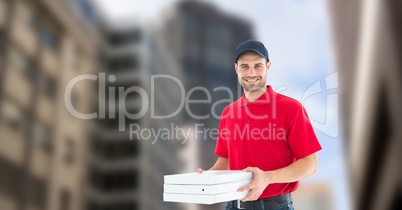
{"type": "Point", "coordinates": [250, 50]}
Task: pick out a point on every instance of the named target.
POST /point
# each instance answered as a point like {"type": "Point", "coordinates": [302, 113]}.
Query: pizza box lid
{"type": "Point", "coordinates": [209, 177]}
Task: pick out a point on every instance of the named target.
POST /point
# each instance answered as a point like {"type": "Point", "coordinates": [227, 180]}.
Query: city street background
{"type": "Point", "coordinates": [339, 58]}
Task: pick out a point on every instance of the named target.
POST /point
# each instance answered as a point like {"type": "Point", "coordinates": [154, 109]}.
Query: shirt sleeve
{"type": "Point", "coordinates": [301, 137]}
{"type": "Point", "coordinates": [221, 148]}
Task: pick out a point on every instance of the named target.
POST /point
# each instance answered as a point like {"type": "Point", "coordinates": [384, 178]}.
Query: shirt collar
{"type": "Point", "coordinates": [264, 99]}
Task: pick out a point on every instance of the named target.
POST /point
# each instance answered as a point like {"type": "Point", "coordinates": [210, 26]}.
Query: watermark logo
{"type": "Point", "coordinates": [108, 102]}
{"type": "Point", "coordinates": [200, 132]}
{"type": "Point", "coordinates": [329, 124]}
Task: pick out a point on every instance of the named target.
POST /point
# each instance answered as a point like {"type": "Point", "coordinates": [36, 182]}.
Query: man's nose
{"type": "Point", "coordinates": [252, 72]}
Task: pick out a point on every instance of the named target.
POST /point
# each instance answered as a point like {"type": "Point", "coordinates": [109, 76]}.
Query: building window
{"type": "Point", "coordinates": [49, 37]}
{"type": "Point", "coordinates": [42, 137]}
{"type": "Point", "coordinates": [13, 115]}
{"type": "Point", "coordinates": [124, 38]}
{"type": "Point", "coordinates": [112, 181]}
{"type": "Point", "coordinates": [122, 63]}
{"type": "Point", "coordinates": [19, 61]}
{"type": "Point", "coordinates": [46, 84]}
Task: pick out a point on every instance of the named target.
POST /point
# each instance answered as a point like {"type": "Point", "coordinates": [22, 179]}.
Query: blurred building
{"type": "Point", "coordinates": [126, 170]}
{"type": "Point", "coordinates": [368, 43]}
{"type": "Point", "coordinates": [202, 40]}
{"type": "Point", "coordinates": [114, 175]}
{"type": "Point", "coordinates": [50, 159]}
{"type": "Point", "coordinates": [43, 45]}
{"type": "Point", "coordinates": [313, 196]}
{"type": "Point", "coordinates": [136, 50]}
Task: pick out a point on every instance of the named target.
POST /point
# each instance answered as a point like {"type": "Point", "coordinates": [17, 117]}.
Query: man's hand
{"type": "Point", "coordinates": [199, 170]}
{"type": "Point", "coordinates": [257, 186]}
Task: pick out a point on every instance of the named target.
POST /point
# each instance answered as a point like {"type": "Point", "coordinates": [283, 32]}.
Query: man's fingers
{"type": "Point", "coordinates": [256, 196]}
{"type": "Point", "coordinates": [250, 169]}
{"type": "Point", "coordinates": [244, 188]}
{"type": "Point", "coordinates": [249, 197]}
{"type": "Point", "coordinates": [199, 170]}
{"type": "Point", "coordinates": [245, 199]}
{"type": "Point", "coordinates": [252, 195]}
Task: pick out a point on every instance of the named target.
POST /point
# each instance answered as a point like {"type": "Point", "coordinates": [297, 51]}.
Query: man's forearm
{"type": "Point", "coordinates": [220, 164]}
{"type": "Point", "coordinates": [302, 168]}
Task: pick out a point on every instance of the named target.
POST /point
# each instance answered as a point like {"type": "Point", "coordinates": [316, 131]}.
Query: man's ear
{"type": "Point", "coordinates": [236, 68]}
{"type": "Point", "coordinates": [268, 65]}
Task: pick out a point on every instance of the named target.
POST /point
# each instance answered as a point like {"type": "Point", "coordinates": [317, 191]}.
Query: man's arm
{"type": "Point", "coordinates": [220, 164]}
{"type": "Point", "coordinates": [301, 168]}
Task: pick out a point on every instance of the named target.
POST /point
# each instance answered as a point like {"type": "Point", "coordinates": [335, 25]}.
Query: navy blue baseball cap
{"type": "Point", "coordinates": [251, 46]}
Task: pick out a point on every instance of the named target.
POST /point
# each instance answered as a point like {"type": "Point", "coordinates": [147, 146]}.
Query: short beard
{"type": "Point", "coordinates": [254, 88]}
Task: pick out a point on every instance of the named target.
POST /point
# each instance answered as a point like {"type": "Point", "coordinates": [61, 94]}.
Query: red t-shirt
{"type": "Point", "coordinates": [269, 133]}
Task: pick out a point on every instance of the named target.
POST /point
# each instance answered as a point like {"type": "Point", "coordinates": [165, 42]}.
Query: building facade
{"type": "Point", "coordinates": [202, 40]}
{"type": "Point", "coordinates": [43, 46]}
{"type": "Point", "coordinates": [125, 167]}
{"type": "Point", "coordinates": [51, 159]}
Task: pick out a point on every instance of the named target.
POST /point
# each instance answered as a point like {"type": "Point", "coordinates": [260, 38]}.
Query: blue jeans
{"type": "Point", "coordinates": [283, 206]}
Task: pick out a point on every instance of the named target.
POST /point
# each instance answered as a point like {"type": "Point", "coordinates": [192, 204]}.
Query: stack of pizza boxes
{"type": "Point", "coordinates": [208, 187]}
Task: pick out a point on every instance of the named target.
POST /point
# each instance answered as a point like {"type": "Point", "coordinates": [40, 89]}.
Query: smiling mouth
{"type": "Point", "coordinates": [252, 80]}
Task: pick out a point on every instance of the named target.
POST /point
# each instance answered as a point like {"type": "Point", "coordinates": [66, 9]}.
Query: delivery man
{"type": "Point", "coordinates": [265, 133]}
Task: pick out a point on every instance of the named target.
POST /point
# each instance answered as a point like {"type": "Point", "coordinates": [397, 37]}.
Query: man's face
{"type": "Point", "coordinates": [251, 70]}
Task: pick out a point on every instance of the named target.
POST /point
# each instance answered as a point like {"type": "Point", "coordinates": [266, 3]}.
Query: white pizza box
{"type": "Point", "coordinates": [204, 189]}
{"type": "Point", "coordinates": [204, 199]}
{"type": "Point", "coordinates": [209, 177]}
